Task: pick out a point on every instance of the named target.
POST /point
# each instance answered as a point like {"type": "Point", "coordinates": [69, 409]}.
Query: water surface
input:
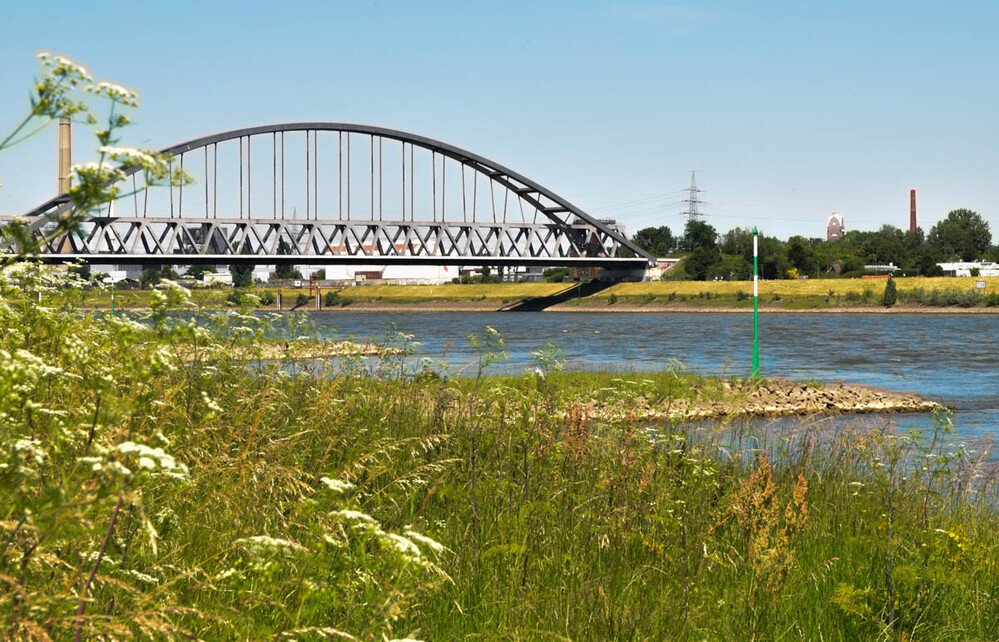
{"type": "Point", "coordinates": [950, 358]}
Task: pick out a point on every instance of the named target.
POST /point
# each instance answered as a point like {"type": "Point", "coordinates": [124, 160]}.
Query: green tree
{"type": "Point", "coordinates": [700, 262]}
{"type": "Point", "coordinates": [242, 275]}
{"type": "Point", "coordinates": [657, 241]}
{"type": "Point", "coordinates": [150, 277]}
{"type": "Point", "coordinates": [799, 254]}
{"type": "Point", "coordinates": [699, 234]}
{"type": "Point", "coordinates": [285, 271]}
{"type": "Point", "coordinates": [964, 234]}
{"type": "Point", "coordinates": [198, 271]}
{"type": "Point", "coordinates": [885, 246]}
{"type": "Point", "coordinates": [738, 241]}
{"type": "Point", "coordinates": [890, 295]}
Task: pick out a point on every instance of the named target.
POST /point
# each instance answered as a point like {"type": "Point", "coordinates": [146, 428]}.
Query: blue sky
{"type": "Point", "coordinates": [787, 110]}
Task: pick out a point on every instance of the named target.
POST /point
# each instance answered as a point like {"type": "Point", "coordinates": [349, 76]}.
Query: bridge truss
{"type": "Point", "coordinates": [329, 193]}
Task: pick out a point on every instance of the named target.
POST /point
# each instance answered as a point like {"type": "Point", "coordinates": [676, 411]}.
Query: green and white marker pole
{"type": "Point", "coordinates": [756, 304]}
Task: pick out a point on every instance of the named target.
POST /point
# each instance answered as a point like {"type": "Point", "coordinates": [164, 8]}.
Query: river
{"type": "Point", "coordinates": [950, 358]}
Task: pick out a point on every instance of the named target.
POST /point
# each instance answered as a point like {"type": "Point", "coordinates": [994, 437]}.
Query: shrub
{"type": "Point", "coordinates": [555, 275]}
{"type": "Point", "coordinates": [612, 299]}
{"type": "Point", "coordinates": [332, 299]}
{"type": "Point", "coordinates": [301, 299]}
{"type": "Point", "coordinates": [890, 295]}
{"type": "Point", "coordinates": [235, 297]}
{"type": "Point", "coordinates": [741, 296]}
{"type": "Point", "coordinates": [242, 296]}
{"type": "Point", "coordinates": [969, 299]}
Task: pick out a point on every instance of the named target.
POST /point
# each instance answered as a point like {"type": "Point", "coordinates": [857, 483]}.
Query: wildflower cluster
{"type": "Point", "coordinates": [405, 547]}
{"type": "Point", "coordinates": [116, 93]}
{"type": "Point", "coordinates": [61, 93]}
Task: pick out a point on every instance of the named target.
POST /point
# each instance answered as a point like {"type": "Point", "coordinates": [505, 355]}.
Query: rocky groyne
{"type": "Point", "coordinates": [770, 399]}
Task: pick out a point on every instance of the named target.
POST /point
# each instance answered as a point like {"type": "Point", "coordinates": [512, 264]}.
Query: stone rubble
{"type": "Point", "coordinates": [774, 399]}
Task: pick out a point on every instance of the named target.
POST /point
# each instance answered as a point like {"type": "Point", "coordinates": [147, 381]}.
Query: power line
{"type": "Point", "coordinates": [634, 203]}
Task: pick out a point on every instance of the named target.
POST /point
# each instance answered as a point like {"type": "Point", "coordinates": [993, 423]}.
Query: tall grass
{"type": "Point", "coordinates": [144, 495]}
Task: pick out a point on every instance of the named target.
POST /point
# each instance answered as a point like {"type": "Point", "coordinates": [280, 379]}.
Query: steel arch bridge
{"type": "Point", "coordinates": [337, 193]}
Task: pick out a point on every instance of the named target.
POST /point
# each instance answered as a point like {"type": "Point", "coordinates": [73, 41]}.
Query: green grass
{"type": "Point", "coordinates": [804, 287]}
{"type": "Point", "coordinates": [554, 525]}
{"type": "Point", "coordinates": [448, 292]}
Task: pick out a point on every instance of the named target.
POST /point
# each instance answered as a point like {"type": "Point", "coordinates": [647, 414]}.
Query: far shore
{"type": "Point", "coordinates": [602, 307]}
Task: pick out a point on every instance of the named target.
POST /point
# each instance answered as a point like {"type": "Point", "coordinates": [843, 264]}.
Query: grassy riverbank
{"type": "Point", "coordinates": [142, 496]}
{"type": "Point", "coordinates": [915, 295]}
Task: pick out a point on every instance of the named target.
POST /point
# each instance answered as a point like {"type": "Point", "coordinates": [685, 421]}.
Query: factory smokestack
{"type": "Point", "coordinates": [912, 210]}
{"type": "Point", "coordinates": [64, 158]}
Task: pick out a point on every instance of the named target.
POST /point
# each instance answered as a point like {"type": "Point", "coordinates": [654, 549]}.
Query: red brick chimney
{"type": "Point", "coordinates": [912, 210]}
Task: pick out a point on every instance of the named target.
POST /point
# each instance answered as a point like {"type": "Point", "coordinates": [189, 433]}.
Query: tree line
{"type": "Point", "coordinates": [962, 236]}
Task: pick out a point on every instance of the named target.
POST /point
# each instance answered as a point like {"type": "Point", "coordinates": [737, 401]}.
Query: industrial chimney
{"type": "Point", "coordinates": [912, 210]}
{"type": "Point", "coordinates": [64, 158]}
{"type": "Point", "coordinates": [64, 164]}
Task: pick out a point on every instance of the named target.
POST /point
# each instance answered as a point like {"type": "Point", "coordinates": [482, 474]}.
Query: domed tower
{"type": "Point", "coordinates": [835, 227]}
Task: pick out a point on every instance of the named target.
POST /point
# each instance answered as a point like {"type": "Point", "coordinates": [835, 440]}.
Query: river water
{"type": "Point", "coordinates": [951, 358]}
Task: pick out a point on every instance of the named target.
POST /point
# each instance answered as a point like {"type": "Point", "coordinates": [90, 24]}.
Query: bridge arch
{"type": "Point", "coordinates": [542, 228]}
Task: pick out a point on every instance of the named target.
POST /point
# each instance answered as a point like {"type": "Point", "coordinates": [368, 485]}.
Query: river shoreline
{"type": "Point", "coordinates": [605, 308]}
{"type": "Point", "coordinates": [624, 308]}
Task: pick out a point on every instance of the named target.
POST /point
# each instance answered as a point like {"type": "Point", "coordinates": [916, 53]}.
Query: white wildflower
{"type": "Point", "coordinates": [359, 518]}
{"type": "Point", "coordinates": [212, 405]}
{"type": "Point", "coordinates": [404, 547]}
{"type": "Point", "coordinates": [119, 469]}
{"type": "Point", "coordinates": [226, 574]}
{"type": "Point", "coordinates": [134, 157]}
{"type": "Point", "coordinates": [117, 93]}
{"type": "Point", "coordinates": [30, 449]}
{"type": "Point", "coordinates": [432, 544]}
{"type": "Point", "coordinates": [91, 556]}
{"type": "Point", "coordinates": [64, 65]}
{"type": "Point", "coordinates": [337, 485]}
{"type": "Point", "coordinates": [142, 577]}
{"type": "Point", "coordinates": [266, 545]}
{"type": "Point", "coordinates": [153, 459]}
{"type": "Point", "coordinates": [94, 173]}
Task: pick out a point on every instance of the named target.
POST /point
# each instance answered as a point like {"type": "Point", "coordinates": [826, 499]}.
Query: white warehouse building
{"type": "Point", "coordinates": [985, 268]}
